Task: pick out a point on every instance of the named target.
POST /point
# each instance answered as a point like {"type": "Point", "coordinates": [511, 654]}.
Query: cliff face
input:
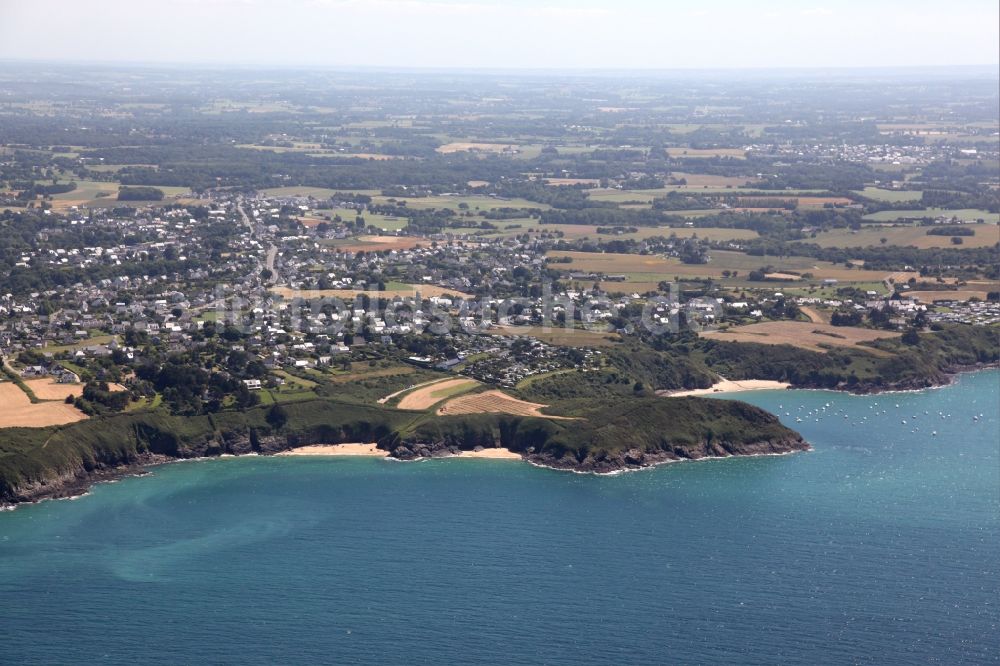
{"type": "Point", "coordinates": [76, 477]}
{"type": "Point", "coordinates": [602, 461]}
{"type": "Point", "coordinates": [74, 482]}
{"type": "Point", "coordinates": [604, 438]}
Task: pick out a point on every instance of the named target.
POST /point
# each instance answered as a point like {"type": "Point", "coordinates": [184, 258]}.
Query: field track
{"type": "Point", "coordinates": [425, 397]}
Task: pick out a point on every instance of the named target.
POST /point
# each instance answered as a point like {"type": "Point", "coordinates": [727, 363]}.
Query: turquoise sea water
{"type": "Point", "coordinates": [881, 546]}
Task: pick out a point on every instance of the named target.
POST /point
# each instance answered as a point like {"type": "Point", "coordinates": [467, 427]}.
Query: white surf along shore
{"type": "Point", "coordinates": [373, 451]}
{"type": "Point", "coordinates": [729, 386]}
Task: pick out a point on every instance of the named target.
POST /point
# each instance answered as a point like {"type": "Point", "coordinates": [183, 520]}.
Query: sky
{"type": "Point", "coordinates": [506, 34]}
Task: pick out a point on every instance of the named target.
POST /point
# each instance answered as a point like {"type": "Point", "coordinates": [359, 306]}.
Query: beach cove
{"type": "Point", "coordinates": [878, 545]}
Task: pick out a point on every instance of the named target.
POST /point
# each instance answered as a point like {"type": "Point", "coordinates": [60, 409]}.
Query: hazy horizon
{"type": "Point", "coordinates": [984, 69]}
{"type": "Point", "coordinates": [470, 35]}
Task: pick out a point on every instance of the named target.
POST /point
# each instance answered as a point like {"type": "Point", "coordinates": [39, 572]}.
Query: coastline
{"type": "Point", "coordinates": [669, 461]}
{"type": "Point", "coordinates": [725, 386]}
{"type": "Point", "coordinates": [729, 386]}
{"type": "Point", "coordinates": [371, 450]}
{"type": "Point", "coordinates": [80, 486]}
{"type": "Point", "coordinates": [335, 450]}
{"type": "Point", "coordinates": [948, 377]}
{"type": "Point", "coordinates": [69, 485]}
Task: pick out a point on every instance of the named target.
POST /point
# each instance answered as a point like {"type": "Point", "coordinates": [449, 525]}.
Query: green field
{"type": "Point", "coordinates": [986, 235]}
{"type": "Point", "coordinates": [383, 222]}
{"type": "Point", "coordinates": [86, 191]}
{"type": "Point", "coordinates": [580, 231]}
{"type": "Point", "coordinates": [890, 196]}
{"type": "Point", "coordinates": [453, 202]}
{"type": "Point", "coordinates": [113, 168]}
{"type": "Point", "coordinates": [96, 193]}
{"type": "Point", "coordinates": [647, 196]}
{"type": "Point", "coordinates": [95, 340]}
{"type": "Point", "coordinates": [315, 192]}
{"type": "Point", "coordinates": [964, 214]}
{"type": "Point", "coordinates": [645, 271]}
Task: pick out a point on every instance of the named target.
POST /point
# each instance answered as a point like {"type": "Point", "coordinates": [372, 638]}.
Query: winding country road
{"type": "Point", "coordinates": [813, 314]}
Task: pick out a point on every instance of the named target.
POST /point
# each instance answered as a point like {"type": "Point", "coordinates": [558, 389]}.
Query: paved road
{"type": "Point", "coordinates": [272, 250]}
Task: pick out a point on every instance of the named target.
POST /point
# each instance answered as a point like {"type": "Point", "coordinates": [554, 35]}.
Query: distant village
{"type": "Point", "coordinates": [304, 289]}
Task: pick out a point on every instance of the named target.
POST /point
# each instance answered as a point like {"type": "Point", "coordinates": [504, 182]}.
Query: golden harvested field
{"type": "Point", "coordinates": [425, 290]}
{"type": "Point", "coordinates": [392, 395]}
{"type": "Point", "coordinates": [819, 202]}
{"type": "Point", "coordinates": [900, 277]}
{"type": "Point", "coordinates": [493, 402]}
{"type": "Point", "coordinates": [19, 411]}
{"type": "Point", "coordinates": [460, 146]}
{"type": "Point", "coordinates": [427, 396]}
{"type": "Point", "coordinates": [986, 235]}
{"type": "Point", "coordinates": [815, 315]}
{"type": "Point", "coordinates": [803, 334]}
{"type": "Point", "coordinates": [48, 389]}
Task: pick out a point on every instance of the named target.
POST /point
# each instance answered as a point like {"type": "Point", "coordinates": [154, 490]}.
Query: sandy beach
{"type": "Point", "coordinates": [373, 451]}
{"type": "Point", "coordinates": [497, 454]}
{"type": "Point", "coordinates": [728, 386]}
{"type": "Point", "coordinates": [336, 450]}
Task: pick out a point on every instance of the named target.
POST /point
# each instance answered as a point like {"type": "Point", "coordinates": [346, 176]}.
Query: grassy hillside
{"type": "Point", "coordinates": [39, 455]}
{"type": "Point", "coordinates": [894, 364]}
{"type": "Point", "coordinates": [607, 428]}
{"type": "Point", "coordinates": [41, 462]}
{"type": "Point", "coordinates": [687, 363]}
{"type": "Point", "coordinates": [612, 412]}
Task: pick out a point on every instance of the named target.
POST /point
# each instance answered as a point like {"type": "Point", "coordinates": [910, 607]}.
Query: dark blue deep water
{"type": "Point", "coordinates": [882, 546]}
